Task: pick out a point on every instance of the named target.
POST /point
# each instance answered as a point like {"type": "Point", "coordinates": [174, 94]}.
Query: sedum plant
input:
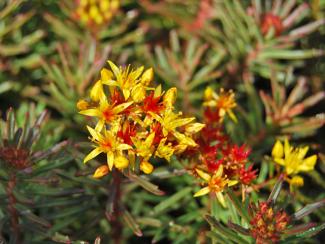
{"type": "Point", "coordinates": [18, 44]}
{"type": "Point", "coordinates": [263, 35]}
{"type": "Point", "coordinates": [265, 222]}
{"type": "Point", "coordinates": [32, 193]}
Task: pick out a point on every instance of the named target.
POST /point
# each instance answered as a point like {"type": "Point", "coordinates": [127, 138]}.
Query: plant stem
{"type": "Point", "coordinates": [11, 208]}
{"type": "Point", "coordinates": [116, 224]}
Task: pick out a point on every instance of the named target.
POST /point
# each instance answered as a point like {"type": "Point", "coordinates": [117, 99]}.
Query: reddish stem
{"type": "Point", "coordinates": [11, 208]}
{"type": "Point", "coordinates": [116, 224]}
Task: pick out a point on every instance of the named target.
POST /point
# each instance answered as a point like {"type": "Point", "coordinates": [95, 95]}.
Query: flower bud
{"type": "Point", "coordinates": [146, 167]}
{"type": "Point", "coordinates": [82, 104]}
{"type": "Point", "coordinates": [101, 171]}
{"type": "Point", "coordinates": [121, 162]}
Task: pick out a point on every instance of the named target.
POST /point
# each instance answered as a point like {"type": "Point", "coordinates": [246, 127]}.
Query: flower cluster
{"type": "Point", "coordinates": [293, 160]}
{"type": "Point", "coordinates": [135, 122]}
{"type": "Point", "coordinates": [96, 12]}
{"type": "Point", "coordinates": [220, 162]}
{"type": "Point", "coordinates": [267, 225]}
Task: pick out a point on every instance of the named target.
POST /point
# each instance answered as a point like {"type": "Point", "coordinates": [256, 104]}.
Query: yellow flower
{"type": "Point", "coordinates": [215, 183]}
{"type": "Point", "coordinates": [135, 121]}
{"type": "Point", "coordinates": [129, 81]}
{"type": "Point", "coordinates": [293, 159]}
{"type": "Point", "coordinates": [96, 12]}
{"type": "Point", "coordinates": [105, 112]}
{"type": "Point", "coordinates": [164, 151]}
{"type": "Point", "coordinates": [109, 144]}
{"type": "Point", "coordinates": [224, 102]}
{"type": "Point", "coordinates": [170, 121]}
{"type": "Point", "coordinates": [144, 148]}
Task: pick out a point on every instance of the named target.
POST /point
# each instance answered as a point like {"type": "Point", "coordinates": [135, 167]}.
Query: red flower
{"type": "Point", "coordinates": [213, 165]}
{"type": "Point", "coordinates": [267, 225]}
{"type": "Point", "coordinates": [246, 175]}
{"type": "Point", "coordinates": [211, 115]}
{"type": "Point", "coordinates": [117, 98]}
{"type": "Point", "coordinates": [126, 132]}
{"type": "Point", "coordinates": [156, 127]}
{"type": "Point", "coordinates": [152, 104]}
{"type": "Point", "coordinates": [237, 154]}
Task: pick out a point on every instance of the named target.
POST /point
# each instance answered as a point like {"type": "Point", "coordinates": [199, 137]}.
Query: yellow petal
{"type": "Point", "coordinates": [101, 171]}
{"type": "Point", "coordinates": [135, 74]}
{"type": "Point", "coordinates": [147, 77]}
{"type": "Point", "coordinates": [92, 154]}
{"type": "Point", "coordinates": [121, 107]}
{"type": "Point", "coordinates": [94, 133]}
{"type": "Point", "coordinates": [124, 147]}
{"type": "Point", "coordinates": [222, 112]}
{"type": "Point", "coordinates": [138, 93]}
{"type": "Point", "coordinates": [232, 182]}
{"type": "Point", "coordinates": [90, 112]}
{"type": "Point", "coordinates": [97, 92]}
{"type": "Point", "coordinates": [182, 122]}
{"type": "Point", "coordinates": [221, 199]}
{"type": "Point", "coordinates": [157, 91]}
{"type": "Point", "coordinates": [146, 167]}
{"type": "Point", "coordinates": [287, 148]}
{"type": "Point", "coordinates": [180, 148]}
{"type": "Point", "coordinates": [203, 175]}
{"type": "Point", "coordinates": [170, 97]}
{"type": "Point", "coordinates": [302, 152]}
{"type": "Point", "coordinates": [93, 12]}
{"type": "Point", "coordinates": [232, 115]}
{"type": "Point", "coordinates": [308, 164]}
{"type": "Point", "coordinates": [121, 162]}
{"type": "Point", "coordinates": [106, 75]}
{"type": "Point", "coordinates": [115, 69]}
{"type": "Point", "coordinates": [277, 151]}
{"type": "Point", "coordinates": [164, 151]}
{"type": "Point", "coordinates": [280, 161]}
{"type": "Point", "coordinates": [219, 171]}
{"type": "Point", "coordinates": [194, 128]}
{"type": "Point", "coordinates": [110, 160]}
{"type": "Point", "coordinates": [208, 94]}
{"type": "Point", "coordinates": [100, 125]}
{"type": "Point", "coordinates": [126, 93]}
{"type": "Point", "coordinates": [131, 156]}
{"type": "Point", "coordinates": [202, 192]}
{"type": "Point", "coordinates": [149, 140]}
{"type": "Point", "coordinates": [184, 140]}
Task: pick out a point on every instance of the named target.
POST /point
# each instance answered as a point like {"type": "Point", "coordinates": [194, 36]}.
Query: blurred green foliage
{"type": "Point", "coordinates": [271, 53]}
